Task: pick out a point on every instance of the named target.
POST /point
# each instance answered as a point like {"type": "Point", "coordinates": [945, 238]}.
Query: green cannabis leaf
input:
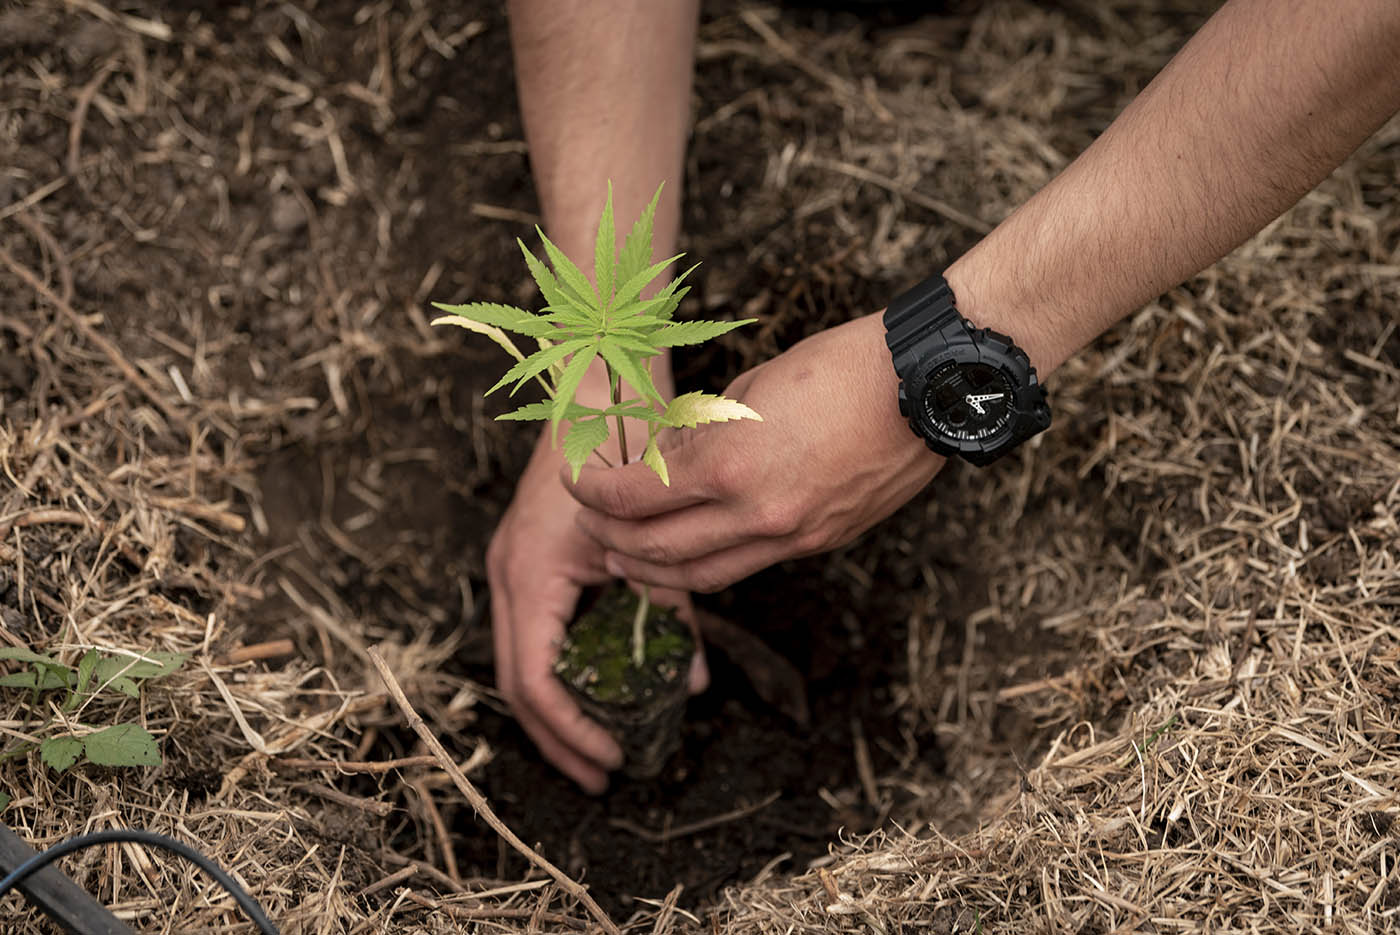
{"type": "Point", "coordinates": [605, 318]}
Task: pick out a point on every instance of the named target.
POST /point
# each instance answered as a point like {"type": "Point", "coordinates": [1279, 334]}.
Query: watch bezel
{"type": "Point", "coordinates": [1028, 411]}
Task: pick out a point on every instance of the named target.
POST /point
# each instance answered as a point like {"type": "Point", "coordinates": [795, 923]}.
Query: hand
{"type": "Point", "coordinates": [831, 458]}
{"type": "Point", "coordinates": [538, 562]}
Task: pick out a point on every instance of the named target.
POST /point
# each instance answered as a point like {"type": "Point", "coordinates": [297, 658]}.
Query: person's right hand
{"type": "Point", "coordinates": [537, 564]}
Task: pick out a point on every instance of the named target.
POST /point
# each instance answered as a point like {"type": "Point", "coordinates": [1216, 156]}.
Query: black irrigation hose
{"type": "Point", "coordinates": [149, 838]}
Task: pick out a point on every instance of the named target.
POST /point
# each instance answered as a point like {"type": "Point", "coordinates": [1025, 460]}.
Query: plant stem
{"type": "Point", "coordinates": [644, 602]}
{"type": "Point", "coordinates": [615, 386]}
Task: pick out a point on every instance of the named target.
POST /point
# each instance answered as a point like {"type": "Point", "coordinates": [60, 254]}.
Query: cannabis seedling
{"type": "Point", "coordinates": [606, 318]}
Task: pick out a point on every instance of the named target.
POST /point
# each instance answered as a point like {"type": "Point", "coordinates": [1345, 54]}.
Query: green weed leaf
{"type": "Point", "coordinates": [584, 436]}
{"type": "Point", "coordinates": [4, 801]}
{"type": "Point", "coordinates": [491, 331]}
{"type": "Point", "coordinates": [20, 654]}
{"type": "Point", "coordinates": [568, 385]}
{"type": "Point", "coordinates": [20, 680]}
{"type": "Point", "coordinates": [536, 364]}
{"type": "Point", "coordinates": [570, 277]}
{"type": "Point", "coordinates": [122, 745]}
{"type": "Point", "coordinates": [86, 667]}
{"type": "Point", "coordinates": [636, 252]}
{"type": "Point", "coordinates": [651, 457]}
{"type": "Point", "coordinates": [691, 409]}
{"type": "Point", "coordinates": [604, 252]}
{"type": "Point", "coordinates": [533, 412]}
{"type": "Point", "coordinates": [695, 332]}
{"type": "Point", "coordinates": [628, 365]}
{"type": "Point", "coordinates": [632, 288]}
{"type": "Point", "coordinates": [549, 286]}
{"type": "Point", "coordinates": [507, 317]}
{"type": "Point", "coordinates": [59, 753]}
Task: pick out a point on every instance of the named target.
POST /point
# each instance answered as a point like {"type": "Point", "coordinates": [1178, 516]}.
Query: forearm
{"type": "Point", "coordinates": [1265, 100]}
{"type": "Point", "coordinates": [605, 95]}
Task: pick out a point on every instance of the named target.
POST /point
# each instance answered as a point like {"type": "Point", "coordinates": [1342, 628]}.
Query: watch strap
{"type": "Point", "coordinates": [915, 315]}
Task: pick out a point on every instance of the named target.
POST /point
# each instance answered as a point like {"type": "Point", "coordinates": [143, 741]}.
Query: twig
{"type": "Point", "coordinates": [80, 109]}
{"type": "Point", "coordinates": [351, 766]}
{"type": "Point", "coordinates": [680, 831]}
{"type": "Point", "coordinates": [393, 879]}
{"type": "Point", "coordinates": [272, 649]}
{"type": "Point", "coordinates": [478, 801]}
{"type": "Point", "coordinates": [908, 194]}
{"type": "Point", "coordinates": [462, 912]}
{"type": "Point", "coordinates": [449, 857]}
{"type": "Point", "coordinates": [382, 809]}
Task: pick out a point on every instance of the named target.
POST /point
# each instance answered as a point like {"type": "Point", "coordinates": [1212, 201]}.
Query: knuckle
{"type": "Point", "coordinates": [777, 519]}
{"type": "Point", "coordinates": [656, 551]}
{"type": "Point", "coordinates": [707, 581]}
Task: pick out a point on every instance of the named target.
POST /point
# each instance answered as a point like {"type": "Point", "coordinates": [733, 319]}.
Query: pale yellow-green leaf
{"type": "Point", "coordinates": [651, 457]}
{"type": "Point", "coordinates": [691, 409]}
{"type": "Point", "coordinates": [491, 331]}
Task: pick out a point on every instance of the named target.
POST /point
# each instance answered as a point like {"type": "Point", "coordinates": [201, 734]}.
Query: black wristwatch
{"type": "Point", "coordinates": [966, 391]}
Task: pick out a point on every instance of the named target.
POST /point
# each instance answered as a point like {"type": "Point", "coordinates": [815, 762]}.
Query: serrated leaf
{"type": "Point", "coordinates": [569, 380]}
{"type": "Point", "coordinates": [549, 286]}
{"type": "Point", "coordinates": [651, 457]}
{"type": "Point", "coordinates": [532, 412]}
{"type": "Point", "coordinates": [632, 288]}
{"type": "Point", "coordinates": [695, 332]}
{"type": "Point", "coordinates": [636, 251]}
{"type": "Point", "coordinates": [149, 665]}
{"type": "Point", "coordinates": [584, 436]}
{"type": "Point", "coordinates": [122, 745]}
{"type": "Point", "coordinates": [86, 667]}
{"type": "Point", "coordinates": [627, 364]}
{"type": "Point", "coordinates": [59, 753]}
{"type": "Point", "coordinates": [691, 409]}
{"type": "Point", "coordinates": [604, 251]}
{"type": "Point", "coordinates": [507, 317]}
{"type": "Point", "coordinates": [533, 365]}
{"type": "Point", "coordinates": [20, 654]}
{"type": "Point", "coordinates": [667, 309]}
{"type": "Point", "coordinates": [570, 277]}
{"type": "Point", "coordinates": [491, 331]}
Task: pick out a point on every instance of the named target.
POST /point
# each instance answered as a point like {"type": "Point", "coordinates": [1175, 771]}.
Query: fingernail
{"type": "Point", "coordinates": [613, 566]}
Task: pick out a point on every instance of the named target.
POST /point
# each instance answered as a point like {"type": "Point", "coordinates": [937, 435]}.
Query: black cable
{"type": "Point", "coordinates": [149, 838]}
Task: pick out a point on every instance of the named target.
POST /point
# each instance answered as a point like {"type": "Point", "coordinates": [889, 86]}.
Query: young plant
{"type": "Point", "coordinates": [126, 744]}
{"type": "Point", "coordinates": [604, 319]}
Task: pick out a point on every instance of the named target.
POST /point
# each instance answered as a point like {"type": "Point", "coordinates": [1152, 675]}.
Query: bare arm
{"type": "Point", "coordinates": [1263, 102]}
{"type": "Point", "coordinates": [605, 93]}
{"type": "Point", "coordinates": [1258, 107]}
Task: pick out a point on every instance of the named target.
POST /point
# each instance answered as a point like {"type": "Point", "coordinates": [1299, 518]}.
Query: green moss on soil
{"type": "Point", "coordinates": [596, 657]}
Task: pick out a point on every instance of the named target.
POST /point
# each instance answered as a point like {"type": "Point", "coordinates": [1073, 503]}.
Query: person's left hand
{"type": "Point", "coordinates": [831, 458]}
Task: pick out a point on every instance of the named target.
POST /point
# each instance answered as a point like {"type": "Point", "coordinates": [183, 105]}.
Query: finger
{"type": "Point", "coordinates": [590, 777]}
{"type": "Point", "coordinates": [708, 574]}
{"type": "Point", "coordinates": [548, 700]}
{"type": "Point", "coordinates": [633, 491]}
{"type": "Point", "coordinates": [671, 538]}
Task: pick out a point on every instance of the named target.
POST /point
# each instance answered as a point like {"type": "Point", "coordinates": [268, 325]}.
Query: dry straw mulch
{"type": "Point", "coordinates": [1163, 671]}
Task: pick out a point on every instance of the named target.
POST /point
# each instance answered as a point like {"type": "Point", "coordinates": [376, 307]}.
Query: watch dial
{"type": "Point", "coordinates": [969, 402]}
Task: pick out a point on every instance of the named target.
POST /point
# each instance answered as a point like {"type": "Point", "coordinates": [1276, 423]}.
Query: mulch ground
{"type": "Point", "coordinates": [1141, 677]}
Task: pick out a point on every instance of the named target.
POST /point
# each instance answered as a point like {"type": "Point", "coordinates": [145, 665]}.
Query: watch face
{"type": "Point", "coordinates": [969, 402]}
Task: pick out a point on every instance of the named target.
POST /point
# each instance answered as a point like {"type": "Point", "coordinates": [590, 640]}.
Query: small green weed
{"type": "Point", "coordinates": [96, 675]}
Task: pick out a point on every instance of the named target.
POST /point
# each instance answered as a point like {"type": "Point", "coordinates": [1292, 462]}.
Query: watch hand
{"type": "Point", "coordinates": [976, 401]}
